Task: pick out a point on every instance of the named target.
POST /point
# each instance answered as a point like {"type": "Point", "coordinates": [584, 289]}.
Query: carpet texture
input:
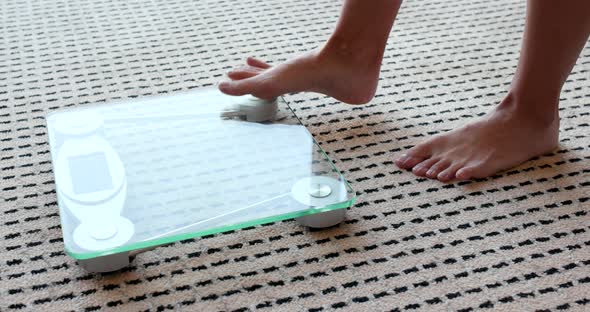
{"type": "Point", "coordinates": [518, 241]}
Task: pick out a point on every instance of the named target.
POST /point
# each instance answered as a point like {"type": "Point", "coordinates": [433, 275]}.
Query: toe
{"type": "Point", "coordinates": [437, 168]}
{"type": "Point", "coordinates": [449, 173]}
{"type": "Point", "coordinates": [466, 173]}
{"type": "Point", "coordinates": [238, 87]}
{"type": "Point", "coordinates": [414, 156]}
{"type": "Point", "coordinates": [407, 162]}
{"type": "Point", "coordinates": [244, 72]}
{"type": "Point", "coordinates": [421, 168]}
{"type": "Point", "coordinates": [479, 170]}
{"type": "Point", "coordinates": [254, 85]}
{"type": "Point", "coordinates": [239, 75]}
{"type": "Point", "coordinates": [234, 87]}
{"type": "Point", "coordinates": [257, 63]}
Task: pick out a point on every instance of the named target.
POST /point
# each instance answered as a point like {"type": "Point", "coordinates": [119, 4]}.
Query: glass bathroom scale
{"type": "Point", "coordinates": [134, 175]}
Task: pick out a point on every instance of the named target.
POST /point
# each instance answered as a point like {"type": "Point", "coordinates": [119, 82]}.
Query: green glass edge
{"type": "Point", "coordinates": [185, 236]}
{"type": "Point", "coordinates": [334, 168]}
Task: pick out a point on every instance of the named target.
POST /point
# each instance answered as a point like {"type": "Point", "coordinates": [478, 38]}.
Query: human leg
{"type": "Point", "coordinates": [526, 123]}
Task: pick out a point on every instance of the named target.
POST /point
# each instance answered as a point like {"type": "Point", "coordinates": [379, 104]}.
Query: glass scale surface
{"type": "Point", "coordinates": [134, 175]}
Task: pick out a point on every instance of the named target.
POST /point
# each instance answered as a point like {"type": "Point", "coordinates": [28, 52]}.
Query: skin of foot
{"type": "Point", "coordinates": [346, 67]}
{"type": "Point", "coordinates": [345, 77]}
{"type": "Point", "coordinates": [509, 135]}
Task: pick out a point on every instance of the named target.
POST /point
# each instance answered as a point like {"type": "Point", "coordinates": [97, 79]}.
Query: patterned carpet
{"type": "Point", "coordinates": [518, 241]}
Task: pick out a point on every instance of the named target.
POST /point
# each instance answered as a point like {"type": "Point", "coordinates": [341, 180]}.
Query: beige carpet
{"type": "Point", "coordinates": [518, 241]}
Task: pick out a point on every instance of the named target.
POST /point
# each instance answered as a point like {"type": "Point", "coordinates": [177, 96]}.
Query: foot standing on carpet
{"type": "Point", "coordinates": [525, 124]}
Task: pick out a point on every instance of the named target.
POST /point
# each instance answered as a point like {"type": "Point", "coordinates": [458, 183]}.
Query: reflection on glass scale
{"type": "Point", "coordinates": [156, 169]}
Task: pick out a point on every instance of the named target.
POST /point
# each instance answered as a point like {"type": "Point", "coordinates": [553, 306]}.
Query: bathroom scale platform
{"type": "Point", "coordinates": [134, 175]}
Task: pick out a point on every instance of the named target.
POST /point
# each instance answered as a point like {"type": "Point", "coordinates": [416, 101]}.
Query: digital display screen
{"type": "Point", "coordinates": [90, 173]}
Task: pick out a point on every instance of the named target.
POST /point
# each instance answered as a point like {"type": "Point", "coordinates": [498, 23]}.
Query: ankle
{"type": "Point", "coordinates": [351, 53]}
{"type": "Point", "coordinates": [542, 112]}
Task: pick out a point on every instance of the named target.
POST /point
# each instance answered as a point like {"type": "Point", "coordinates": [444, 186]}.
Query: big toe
{"type": "Point", "coordinates": [240, 87]}
{"type": "Point", "coordinates": [414, 156]}
{"type": "Point", "coordinates": [252, 86]}
{"type": "Point", "coordinates": [467, 173]}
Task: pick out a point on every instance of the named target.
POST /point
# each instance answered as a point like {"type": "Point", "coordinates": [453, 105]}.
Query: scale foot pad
{"type": "Point", "coordinates": [106, 263]}
{"type": "Point", "coordinates": [323, 219]}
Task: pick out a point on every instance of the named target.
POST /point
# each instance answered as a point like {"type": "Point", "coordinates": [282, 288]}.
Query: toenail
{"type": "Point", "coordinates": [419, 169]}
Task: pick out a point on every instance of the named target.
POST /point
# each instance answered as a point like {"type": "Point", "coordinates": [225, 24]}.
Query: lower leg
{"type": "Point", "coordinates": [362, 31]}
{"type": "Point", "coordinates": [554, 36]}
{"type": "Point", "coordinates": [526, 123]}
{"type": "Point", "coordinates": [346, 67]}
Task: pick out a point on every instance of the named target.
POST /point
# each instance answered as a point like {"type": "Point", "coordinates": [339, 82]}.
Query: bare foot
{"type": "Point", "coordinates": [345, 77]}
{"type": "Point", "coordinates": [506, 137]}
